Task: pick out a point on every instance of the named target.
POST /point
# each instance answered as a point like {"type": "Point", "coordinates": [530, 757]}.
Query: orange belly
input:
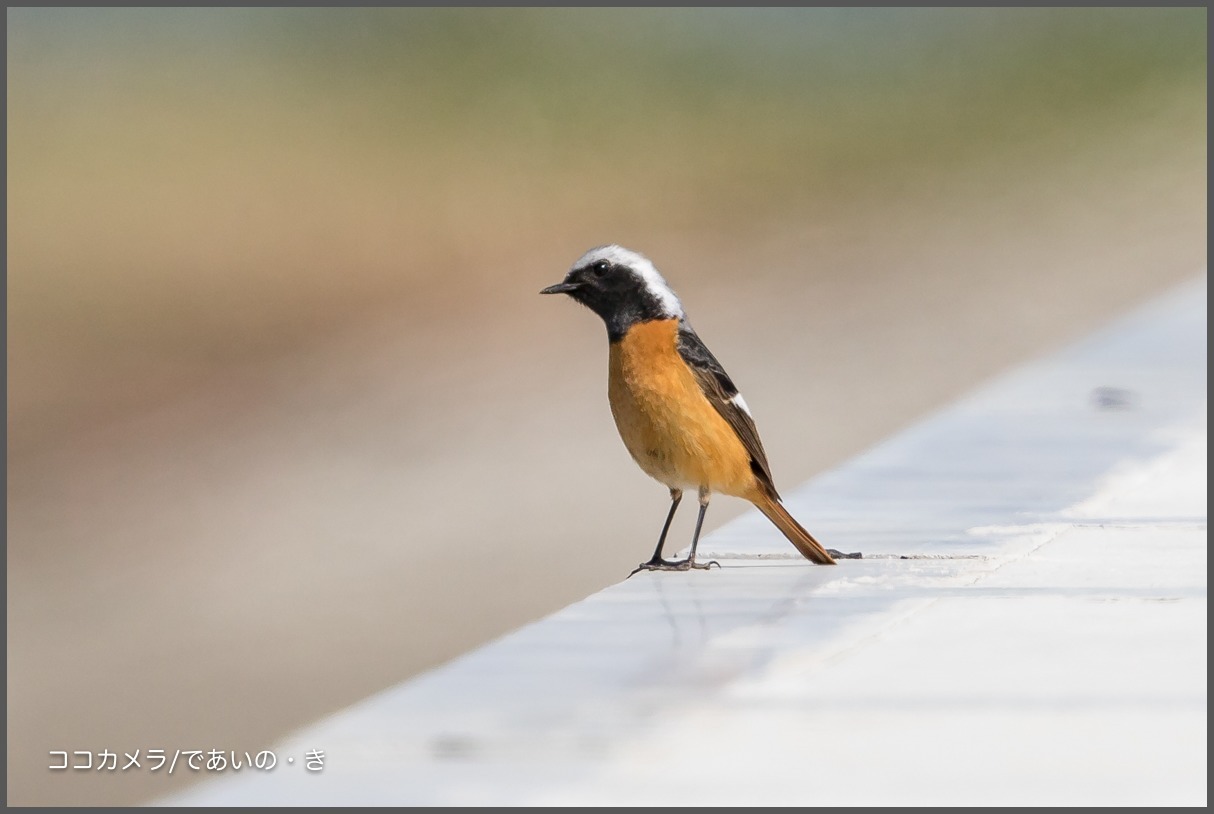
{"type": "Point", "coordinates": [671, 430]}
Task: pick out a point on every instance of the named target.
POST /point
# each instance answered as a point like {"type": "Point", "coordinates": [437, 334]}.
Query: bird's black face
{"type": "Point", "coordinates": [601, 286]}
{"type": "Point", "coordinates": [618, 292]}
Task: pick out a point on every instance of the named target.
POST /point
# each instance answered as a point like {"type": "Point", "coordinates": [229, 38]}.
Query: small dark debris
{"type": "Point", "coordinates": [1113, 398]}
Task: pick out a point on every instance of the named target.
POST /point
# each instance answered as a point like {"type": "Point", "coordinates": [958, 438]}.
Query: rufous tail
{"type": "Point", "coordinates": [799, 537]}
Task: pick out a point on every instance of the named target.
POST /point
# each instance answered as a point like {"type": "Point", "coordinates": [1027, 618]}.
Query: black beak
{"type": "Point", "coordinates": [561, 288]}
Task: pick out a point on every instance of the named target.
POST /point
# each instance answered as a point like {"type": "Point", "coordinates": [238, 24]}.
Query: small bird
{"type": "Point", "coordinates": [678, 412]}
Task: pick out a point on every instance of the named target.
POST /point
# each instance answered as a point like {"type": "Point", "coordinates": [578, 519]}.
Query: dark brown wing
{"type": "Point", "coordinates": [719, 389]}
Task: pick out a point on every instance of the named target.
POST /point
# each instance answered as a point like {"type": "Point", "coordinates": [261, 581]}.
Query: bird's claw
{"type": "Point", "coordinates": [675, 565]}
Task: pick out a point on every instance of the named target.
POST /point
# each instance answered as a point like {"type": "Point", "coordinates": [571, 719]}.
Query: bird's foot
{"type": "Point", "coordinates": [839, 555]}
{"type": "Point", "coordinates": [675, 565]}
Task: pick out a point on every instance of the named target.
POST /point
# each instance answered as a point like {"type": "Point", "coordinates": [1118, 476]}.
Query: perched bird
{"type": "Point", "coordinates": [677, 410]}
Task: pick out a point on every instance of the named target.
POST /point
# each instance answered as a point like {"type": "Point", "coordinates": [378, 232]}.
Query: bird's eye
{"type": "Point", "coordinates": [600, 268]}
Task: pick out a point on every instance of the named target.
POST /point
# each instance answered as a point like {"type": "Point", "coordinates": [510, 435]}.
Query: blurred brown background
{"type": "Point", "coordinates": [287, 419]}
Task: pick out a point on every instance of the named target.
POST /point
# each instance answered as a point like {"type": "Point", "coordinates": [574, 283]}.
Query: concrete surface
{"type": "Point", "coordinates": [1027, 626]}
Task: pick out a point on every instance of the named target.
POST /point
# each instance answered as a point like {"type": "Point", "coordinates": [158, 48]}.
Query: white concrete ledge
{"type": "Point", "coordinates": [1028, 627]}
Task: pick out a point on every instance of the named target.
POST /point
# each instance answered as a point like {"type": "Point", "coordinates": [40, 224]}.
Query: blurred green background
{"type": "Point", "coordinates": [287, 421]}
{"type": "Point", "coordinates": [187, 187]}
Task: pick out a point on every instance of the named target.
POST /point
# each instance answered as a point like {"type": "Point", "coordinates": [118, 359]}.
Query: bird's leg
{"type": "Point", "coordinates": [675, 496]}
{"type": "Point", "coordinates": [656, 563]}
{"type": "Point", "coordinates": [695, 538]}
{"type": "Point", "coordinates": [659, 564]}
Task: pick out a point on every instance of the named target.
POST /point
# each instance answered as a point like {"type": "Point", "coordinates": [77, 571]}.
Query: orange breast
{"type": "Point", "coordinates": [671, 430]}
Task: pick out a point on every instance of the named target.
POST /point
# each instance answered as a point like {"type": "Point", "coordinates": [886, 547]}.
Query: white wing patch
{"type": "Point", "coordinates": [643, 267]}
{"type": "Point", "coordinates": [740, 403]}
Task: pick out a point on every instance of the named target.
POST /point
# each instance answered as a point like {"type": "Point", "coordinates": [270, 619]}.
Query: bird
{"type": "Point", "coordinates": [678, 412]}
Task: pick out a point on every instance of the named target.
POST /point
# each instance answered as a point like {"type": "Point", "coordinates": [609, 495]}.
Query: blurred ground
{"type": "Point", "coordinates": [287, 419]}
